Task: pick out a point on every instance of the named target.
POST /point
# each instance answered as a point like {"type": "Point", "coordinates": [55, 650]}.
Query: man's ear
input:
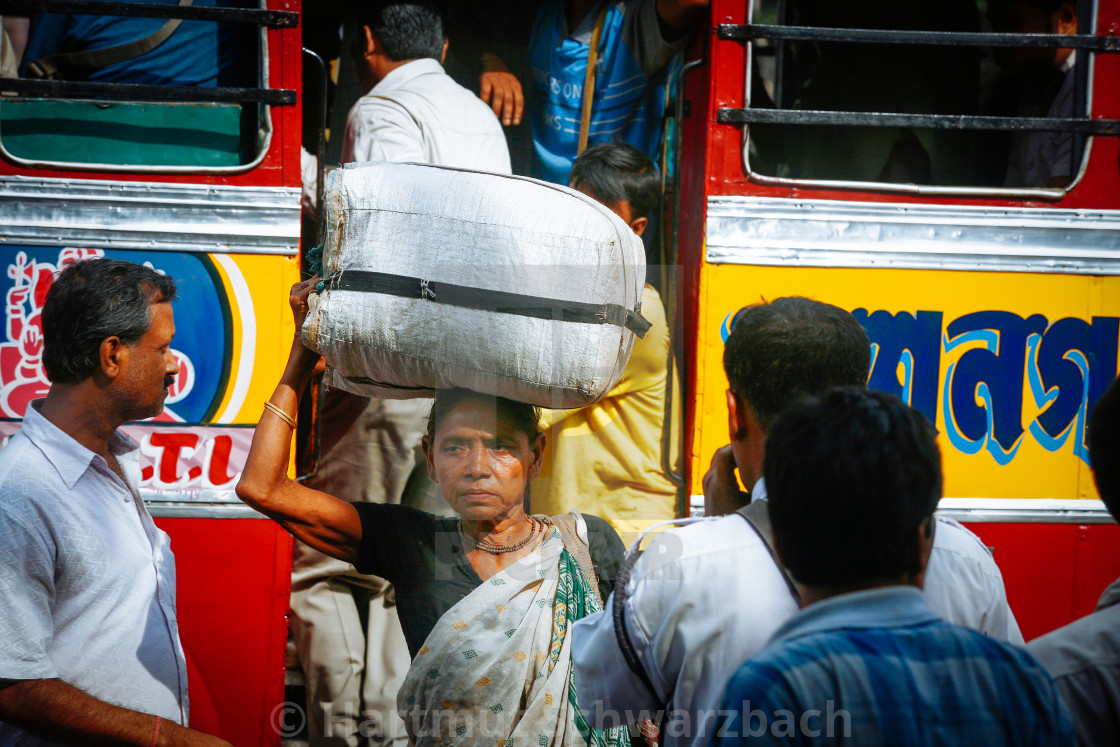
{"type": "Point", "coordinates": [736, 417]}
{"type": "Point", "coordinates": [426, 447]}
{"type": "Point", "coordinates": [926, 531]}
{"type": "Point", "coordinates": [538, 456]}
{"type": "Point", "coordinates": [373, 44]}
{"type": "Point", "coordinates": [638, 225]}
{"type": "Point", "coordinates": [443, 53]}
{"type": "Point", "coordinates": [112, 355]}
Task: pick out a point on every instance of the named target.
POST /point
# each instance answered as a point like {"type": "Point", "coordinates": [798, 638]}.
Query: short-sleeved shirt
{"type": "Point", "coordinates": [609, 454]}
{"type": "Point", "coordinates": [423, 556]}
{"type": "Point", "coordinates": [877, 667]}
{"type": "Point", "coordinates": [418, 113]}
{"type": "Point", "coordinates": [1084, 660]}
{"type": "Point", "coordinates": [87, 580]}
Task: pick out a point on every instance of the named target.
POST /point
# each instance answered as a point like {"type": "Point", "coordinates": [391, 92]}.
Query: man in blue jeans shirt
{"type": "Point", "coordinates": [638, 40]}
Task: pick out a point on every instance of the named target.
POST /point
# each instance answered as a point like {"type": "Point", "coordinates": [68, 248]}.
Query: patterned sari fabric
{"type": "Point", "coordinates": [496, 669]}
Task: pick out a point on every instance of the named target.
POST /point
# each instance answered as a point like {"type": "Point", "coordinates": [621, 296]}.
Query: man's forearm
{"type": "Point", "coordinates": [60, 712]}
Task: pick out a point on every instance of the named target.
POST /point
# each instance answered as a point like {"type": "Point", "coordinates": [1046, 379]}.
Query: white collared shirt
{"type": "Point", "coordinates": [87, 580]}
{"type": "Point", "coordinates": [708, 596]}
{"type": "Point", "coordinates": [418, 114]}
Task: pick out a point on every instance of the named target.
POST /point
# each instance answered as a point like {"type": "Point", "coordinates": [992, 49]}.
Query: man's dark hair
{"type": "Point", "coordinates": [407, 30]}
{"type": "Point", "coordinates": [618, 172]}
{"type": "Point", "coordinates": [792, 347]}
{"type": "Point", "coordinates": [90, 301]}
{"type": "Point", "coordinates": [1104, 447]}
{"type": "Point", "coordinates": [850, 477]}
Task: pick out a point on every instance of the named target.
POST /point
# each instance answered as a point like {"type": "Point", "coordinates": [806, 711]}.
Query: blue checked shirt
{"type": "Point", "coordinates": [878, 668]}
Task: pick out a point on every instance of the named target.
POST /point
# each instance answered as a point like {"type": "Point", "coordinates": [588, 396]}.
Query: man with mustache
{"type": "Point", "coordinates": [89, 642]}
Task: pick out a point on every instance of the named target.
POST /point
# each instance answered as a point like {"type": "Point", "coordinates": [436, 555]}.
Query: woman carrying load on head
{"type": "Point", "coordinates": [486, 600]}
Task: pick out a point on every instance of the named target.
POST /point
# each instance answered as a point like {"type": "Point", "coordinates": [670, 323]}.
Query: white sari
{"type": "Point", "coordinates": [496, 669]}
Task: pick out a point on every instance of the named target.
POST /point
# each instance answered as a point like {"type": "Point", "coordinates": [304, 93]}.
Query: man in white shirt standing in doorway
{"type": "Point", "coordinates": [345, 624]}
{"type": "Point", "coordinates": [89, 641]}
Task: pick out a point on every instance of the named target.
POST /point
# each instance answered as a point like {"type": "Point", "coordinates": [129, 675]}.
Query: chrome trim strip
{"type": "Point", "coordinates": [165, 510]}
{"type": "Point", "coordinates": [149, 216]}
{"type": "Point", "coordinates": [1025, 510]}
{"type": "Point", "coordinates": [834, 233]}
{"type": "Point", "coordinates": [1008, 510]}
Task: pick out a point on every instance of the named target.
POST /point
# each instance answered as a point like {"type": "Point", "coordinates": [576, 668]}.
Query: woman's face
{"type": "Point", "coordinates": [481, 462]}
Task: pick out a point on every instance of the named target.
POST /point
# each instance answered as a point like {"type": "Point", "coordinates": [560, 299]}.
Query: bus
{"type": "Point", "coordinates": [200, 179]}
{"type": "Point", "coordinates": [860, 154]}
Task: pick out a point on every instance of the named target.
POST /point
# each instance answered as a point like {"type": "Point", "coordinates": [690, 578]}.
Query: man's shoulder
{"type": "Point", "coordinates": [1088, 643]}
{"type": "Point", "coordinates": [726, 540]}
{"type": "Point", "coordinates": [22, 466]}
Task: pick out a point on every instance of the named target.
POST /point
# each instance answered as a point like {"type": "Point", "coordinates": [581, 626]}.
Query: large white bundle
{"type": "Point", "coordinates": [439, 277]}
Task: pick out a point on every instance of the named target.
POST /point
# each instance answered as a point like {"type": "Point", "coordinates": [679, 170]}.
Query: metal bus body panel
{"type": "Point", "coordinates": [980, 353]}
{"type": "Point", "coordinates": [1053, 573]}
{"type": "Point", "coordinates": [1039, 263]}
{"type": "Point", "coordinates": [232, 594]}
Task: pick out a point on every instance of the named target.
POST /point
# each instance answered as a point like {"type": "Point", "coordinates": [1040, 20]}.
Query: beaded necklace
{"type": "Point", "coordinates": [490, 549]}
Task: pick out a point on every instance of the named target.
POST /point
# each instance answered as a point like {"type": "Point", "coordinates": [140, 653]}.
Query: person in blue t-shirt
{"type": "Point", "coordinates": [193, 53]}
{"type": "Point", "coordinates": [637, 42]}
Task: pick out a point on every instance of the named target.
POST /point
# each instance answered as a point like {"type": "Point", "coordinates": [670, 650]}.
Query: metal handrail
{"type": "Point", "coordinates": [261, 17]}
{"type": "Point", "coordinates": [754, 31]}
{"type": "Point", "coordinates": [930, 121]}
{"type": "Point", "coordinates": [138, 92]}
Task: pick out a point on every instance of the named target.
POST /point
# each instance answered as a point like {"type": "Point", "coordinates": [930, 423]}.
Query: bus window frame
{"type": "Point", "coordinates": [1083, 96]}
{"type": "Point", "coordinates": [263, 136]}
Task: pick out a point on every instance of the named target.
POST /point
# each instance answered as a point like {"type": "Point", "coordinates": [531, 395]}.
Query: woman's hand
{"type": "Point", "coordinates": [298, 301]}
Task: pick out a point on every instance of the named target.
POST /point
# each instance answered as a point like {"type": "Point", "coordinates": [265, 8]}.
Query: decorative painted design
{"type": "Point", "coordinates": [202, 321]}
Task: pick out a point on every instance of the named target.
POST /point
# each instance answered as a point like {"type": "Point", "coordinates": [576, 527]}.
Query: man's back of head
{"type": "Point", "coordinates": [792, 347]}
{"type": "Point", "coordinates": [406, 30]}
{"type": "Point", "coordinates": [853, 479]}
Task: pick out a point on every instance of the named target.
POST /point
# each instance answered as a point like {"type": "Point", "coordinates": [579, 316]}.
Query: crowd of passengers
{"type": "Point", "coordinates": [459, 577]}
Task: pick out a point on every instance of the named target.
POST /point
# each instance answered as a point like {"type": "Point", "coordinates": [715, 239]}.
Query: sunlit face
{"type": "Point", "coordinates": [150, 367]}
{"type": "Point", "coordinates": [481, 462]}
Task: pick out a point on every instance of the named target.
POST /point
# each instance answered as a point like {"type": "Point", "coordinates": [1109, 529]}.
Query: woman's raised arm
{"type": "Point", "coordinates": [318, 519]}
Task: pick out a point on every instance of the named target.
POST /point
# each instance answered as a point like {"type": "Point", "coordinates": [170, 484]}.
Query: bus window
{"type": "Point", "coordinates": [88, 124]}
{"type": "Point", "coordinates": [827, 93]}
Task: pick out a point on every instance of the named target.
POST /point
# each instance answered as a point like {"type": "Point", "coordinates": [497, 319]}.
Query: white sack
{"type": "Point", "coordinates": [472, 230]}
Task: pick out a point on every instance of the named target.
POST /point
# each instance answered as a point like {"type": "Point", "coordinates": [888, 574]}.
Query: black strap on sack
{"type": "Point", "coordinates": [481, 299]}
{"type": "Point", "coordinates": [756, 514]}
{"type": "Point", "coordinates": [59, 65]}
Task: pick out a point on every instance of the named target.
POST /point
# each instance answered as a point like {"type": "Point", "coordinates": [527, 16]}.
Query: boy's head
{"type": "Point", "coordinates": [621, 177]}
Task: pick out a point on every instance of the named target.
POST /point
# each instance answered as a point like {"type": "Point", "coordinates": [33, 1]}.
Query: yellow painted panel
{"type": "Point", "coordinates": [257, 290]}
{"type": "Point", "coordinates": [1009, 363]}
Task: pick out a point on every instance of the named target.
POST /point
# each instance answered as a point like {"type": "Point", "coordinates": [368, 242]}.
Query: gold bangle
{"type": "Point", "coordinates": [281, 414]}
